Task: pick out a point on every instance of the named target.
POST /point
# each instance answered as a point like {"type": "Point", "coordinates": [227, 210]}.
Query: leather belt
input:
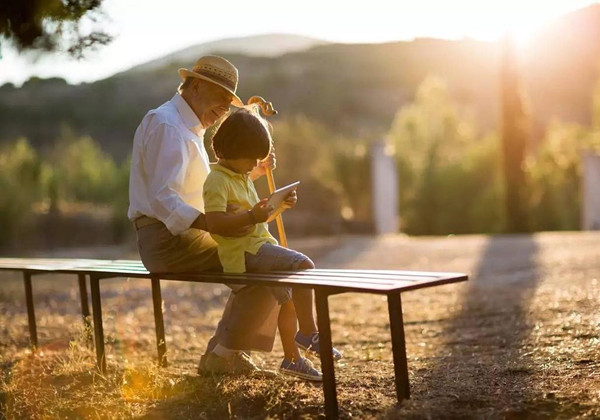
{"type": "Point", "coordinates": [144, 221]}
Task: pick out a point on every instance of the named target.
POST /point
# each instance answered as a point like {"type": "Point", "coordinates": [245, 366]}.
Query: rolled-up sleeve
{"type": "Point", "coordinates": [166, 158]}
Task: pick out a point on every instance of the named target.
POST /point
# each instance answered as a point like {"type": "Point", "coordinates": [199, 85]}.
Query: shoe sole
{"type": "Point", "coordinates": [301, 375]}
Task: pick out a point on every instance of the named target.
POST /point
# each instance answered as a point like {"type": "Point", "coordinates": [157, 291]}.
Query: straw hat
{"type": "Point", "coordinates": [216, 70]}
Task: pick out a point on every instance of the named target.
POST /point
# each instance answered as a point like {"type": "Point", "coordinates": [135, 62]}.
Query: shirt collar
{"type": "Point", "coordinates": [220, 168]}
{"type": "Point", "coordinates": [188, 116]}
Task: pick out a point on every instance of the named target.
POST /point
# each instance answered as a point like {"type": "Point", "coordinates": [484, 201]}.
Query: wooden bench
{"type": "Point", "coordinates": [324, 282]}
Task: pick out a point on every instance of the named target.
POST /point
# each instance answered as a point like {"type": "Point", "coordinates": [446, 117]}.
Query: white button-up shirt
{"type": "Point", "coordinates": [168, 166]}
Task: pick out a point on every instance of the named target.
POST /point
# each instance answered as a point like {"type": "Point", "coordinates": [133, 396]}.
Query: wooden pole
{"type": "Point", "coordinates": [278, 219]}
{"type": "Point", "coordinates": [268, 110]}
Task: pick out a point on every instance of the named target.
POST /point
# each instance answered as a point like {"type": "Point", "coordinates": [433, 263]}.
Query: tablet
{"type": "Point", "coordinates": [280, 194]}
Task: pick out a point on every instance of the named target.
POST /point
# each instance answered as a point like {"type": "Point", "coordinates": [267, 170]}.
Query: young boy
{"type": "Point", "coordinates": [240, 143]}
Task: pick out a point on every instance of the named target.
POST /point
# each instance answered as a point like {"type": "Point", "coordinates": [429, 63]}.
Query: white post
{"type": "Point", "coordinates": [591, 191]}
{"type": "Point", "coordinates": [384, 185]}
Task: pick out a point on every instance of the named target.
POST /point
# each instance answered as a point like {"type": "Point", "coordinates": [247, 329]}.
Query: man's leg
{"type": "Point", "coordinates": [249, 321]}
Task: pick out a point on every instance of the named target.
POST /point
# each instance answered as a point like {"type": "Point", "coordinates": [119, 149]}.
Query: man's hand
{"type": "Point", "coordinates": [268, 163]}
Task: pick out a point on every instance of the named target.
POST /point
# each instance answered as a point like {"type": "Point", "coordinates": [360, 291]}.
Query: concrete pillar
{"type": "Point", "coordinates": [591, 191]}
{"type": "Point", "coordinates": [384, 187]}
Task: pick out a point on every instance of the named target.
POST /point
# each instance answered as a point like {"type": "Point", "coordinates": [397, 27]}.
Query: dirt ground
{"type": "Point", "coordinates": [519, 340]}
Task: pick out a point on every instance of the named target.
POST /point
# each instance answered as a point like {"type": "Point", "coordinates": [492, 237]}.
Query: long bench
{"type": "Point", "coordinates": [324, 282]}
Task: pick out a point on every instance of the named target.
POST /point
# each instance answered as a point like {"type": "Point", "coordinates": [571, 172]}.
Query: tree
{"type": "Point", "coordinates": [449, 174]}
{"type": "Point", "coordinates": [515, 133]}
{"type": "Point", "coordinates": [51, 25]}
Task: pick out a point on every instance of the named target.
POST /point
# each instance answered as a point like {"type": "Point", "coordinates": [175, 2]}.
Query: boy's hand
{"type": "Point", "coordinates": [268, 163]}
{"type": "Point", "coordinates": [260, 211]}
{"type": "Point", "coordinates": [290, 200]}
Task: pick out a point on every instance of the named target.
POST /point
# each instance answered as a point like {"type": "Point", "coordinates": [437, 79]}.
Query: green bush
{"type": "Point", "coordinates": [21, 186]}
{"type": "Point", "coordinates": [82, 171]}
{"type": "Point", "coordinates": [554, 171]}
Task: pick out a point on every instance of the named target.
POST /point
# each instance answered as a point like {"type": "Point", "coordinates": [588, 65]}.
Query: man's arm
{"type": "Point", "coordinates": [224, 229]}
{"type": "Point", "coordinates": [200, 222]}
{"type": "Point", "coordinates": [166, 159]}
{"type": "Point", "coordinates": [224, 224]}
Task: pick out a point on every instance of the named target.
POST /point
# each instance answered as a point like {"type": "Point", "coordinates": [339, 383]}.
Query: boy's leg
{"type": "Point", "coordinates": [287, 331]}
{"type": "Point", "coordinates": [303, 302]}
{"type": "Point", "coordinates": [273, 258]}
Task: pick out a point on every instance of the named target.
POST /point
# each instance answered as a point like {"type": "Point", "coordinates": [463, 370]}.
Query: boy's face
{"type": "Point", "coordinates": [243, 165]}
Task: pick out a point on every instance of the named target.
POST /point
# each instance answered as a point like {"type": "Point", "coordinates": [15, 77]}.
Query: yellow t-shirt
{"type": "Point", "coordinates": [222, 187]}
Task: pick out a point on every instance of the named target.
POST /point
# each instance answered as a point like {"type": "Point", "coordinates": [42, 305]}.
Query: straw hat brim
{"type": "Point", "coordinates": [183, 73]}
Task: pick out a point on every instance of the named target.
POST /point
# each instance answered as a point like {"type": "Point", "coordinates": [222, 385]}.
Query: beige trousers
{"type": "Point", "coordinates": [249, 321]}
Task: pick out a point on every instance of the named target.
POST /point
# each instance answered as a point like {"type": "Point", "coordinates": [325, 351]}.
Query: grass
{"type": "Point", "coordinates": [520, 340]}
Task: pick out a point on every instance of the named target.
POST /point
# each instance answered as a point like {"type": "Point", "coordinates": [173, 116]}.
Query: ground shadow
{"type": "Point", "coordinates": [483, 366]}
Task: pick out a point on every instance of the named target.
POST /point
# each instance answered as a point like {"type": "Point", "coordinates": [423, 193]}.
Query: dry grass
{"type": "Point", "coordinates": [520, 340]}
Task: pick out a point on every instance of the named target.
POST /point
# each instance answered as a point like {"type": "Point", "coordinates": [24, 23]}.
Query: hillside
{"type": "Point", "coordinates": [355, 89]}
{"type": "Point", "coordinates": [267, 45]}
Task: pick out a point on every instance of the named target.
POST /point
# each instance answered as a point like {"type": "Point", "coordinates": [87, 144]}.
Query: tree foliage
{"type": "Point", "coordinates": [50, 25]}
{"type": "Point", "coordinates": [448, 175]}
{"type": "Point", "coordinates": [21, 183]}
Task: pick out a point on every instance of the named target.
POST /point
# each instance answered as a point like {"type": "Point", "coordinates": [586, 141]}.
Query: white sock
{"type": "Point", "coordinates": [223, 351]}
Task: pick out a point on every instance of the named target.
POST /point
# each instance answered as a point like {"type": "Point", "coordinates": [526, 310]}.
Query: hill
{"type": "Point", "coordinates": [266, 45]}
{"type": "Point", "coordinates": [354, 89]}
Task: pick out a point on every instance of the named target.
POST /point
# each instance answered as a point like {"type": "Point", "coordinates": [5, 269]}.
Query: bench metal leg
{"type": "Point", "coordinates": [98, 329]}
{"type": "Point", "coordinates": [85, 308]}
{"type": "Point", "coordinates": [30, 311]}
{"type": "Point", "coordinates": [331, 405]}
{"type": "Point", "coordinates": [398, 346]}
{"type": "Point", "coordinates": [159, 323]}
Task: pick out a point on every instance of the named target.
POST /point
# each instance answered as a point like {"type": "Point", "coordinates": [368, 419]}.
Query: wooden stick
{"type": "Point", "coordinates": [268, 110]}
{"type": "Point", "coordinates": [278, 219]}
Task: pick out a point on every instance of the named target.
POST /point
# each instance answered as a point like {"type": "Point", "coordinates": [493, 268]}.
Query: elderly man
{"type": "Point", "coordinates": [168, 168]}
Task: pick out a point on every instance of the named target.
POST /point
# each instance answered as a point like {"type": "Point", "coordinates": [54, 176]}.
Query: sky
{"type": "Point", "coordinates": [147, 29]}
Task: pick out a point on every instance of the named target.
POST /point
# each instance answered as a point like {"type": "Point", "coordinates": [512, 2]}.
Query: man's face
{"type": "Point", "coordinates": [216, 104]}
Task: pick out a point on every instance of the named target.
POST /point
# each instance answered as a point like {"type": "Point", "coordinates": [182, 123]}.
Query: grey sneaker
{"type": "Point", "coordinates": [301, 368]}
{"type": "Point", "coordinates": [211, 363]}
{"type": "Point", "coordinates": [239, 364]}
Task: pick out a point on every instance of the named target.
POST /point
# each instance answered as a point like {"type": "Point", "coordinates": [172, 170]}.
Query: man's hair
{"type": "Point", "coordinates": [185, 84]}
{"type": "Point", "coordinates": [242, 135]}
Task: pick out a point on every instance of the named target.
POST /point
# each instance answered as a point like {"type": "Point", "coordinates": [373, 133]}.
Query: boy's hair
{"type": "Point", "coordinates": [242, 135]}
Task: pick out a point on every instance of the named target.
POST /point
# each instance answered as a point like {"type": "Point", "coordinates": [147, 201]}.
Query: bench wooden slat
{"type": "Point", "coordinates": [373, 281]}
{"type": "Point", "coordinates": [43, 264]}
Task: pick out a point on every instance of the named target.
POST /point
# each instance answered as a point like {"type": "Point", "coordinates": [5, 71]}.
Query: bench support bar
{"type": "Point", "coordinates": [398, 346]}
{"type": "Point", "coordinates": [30, 310]}
{"type": "Point", "coordinates": [85, 307]}
{"type": "Point", "coordinates": [158, 322]}
{"type": "Point", "coordinates": [331, 405]}
{"type": "Point", "coordinates": [98, 329]}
